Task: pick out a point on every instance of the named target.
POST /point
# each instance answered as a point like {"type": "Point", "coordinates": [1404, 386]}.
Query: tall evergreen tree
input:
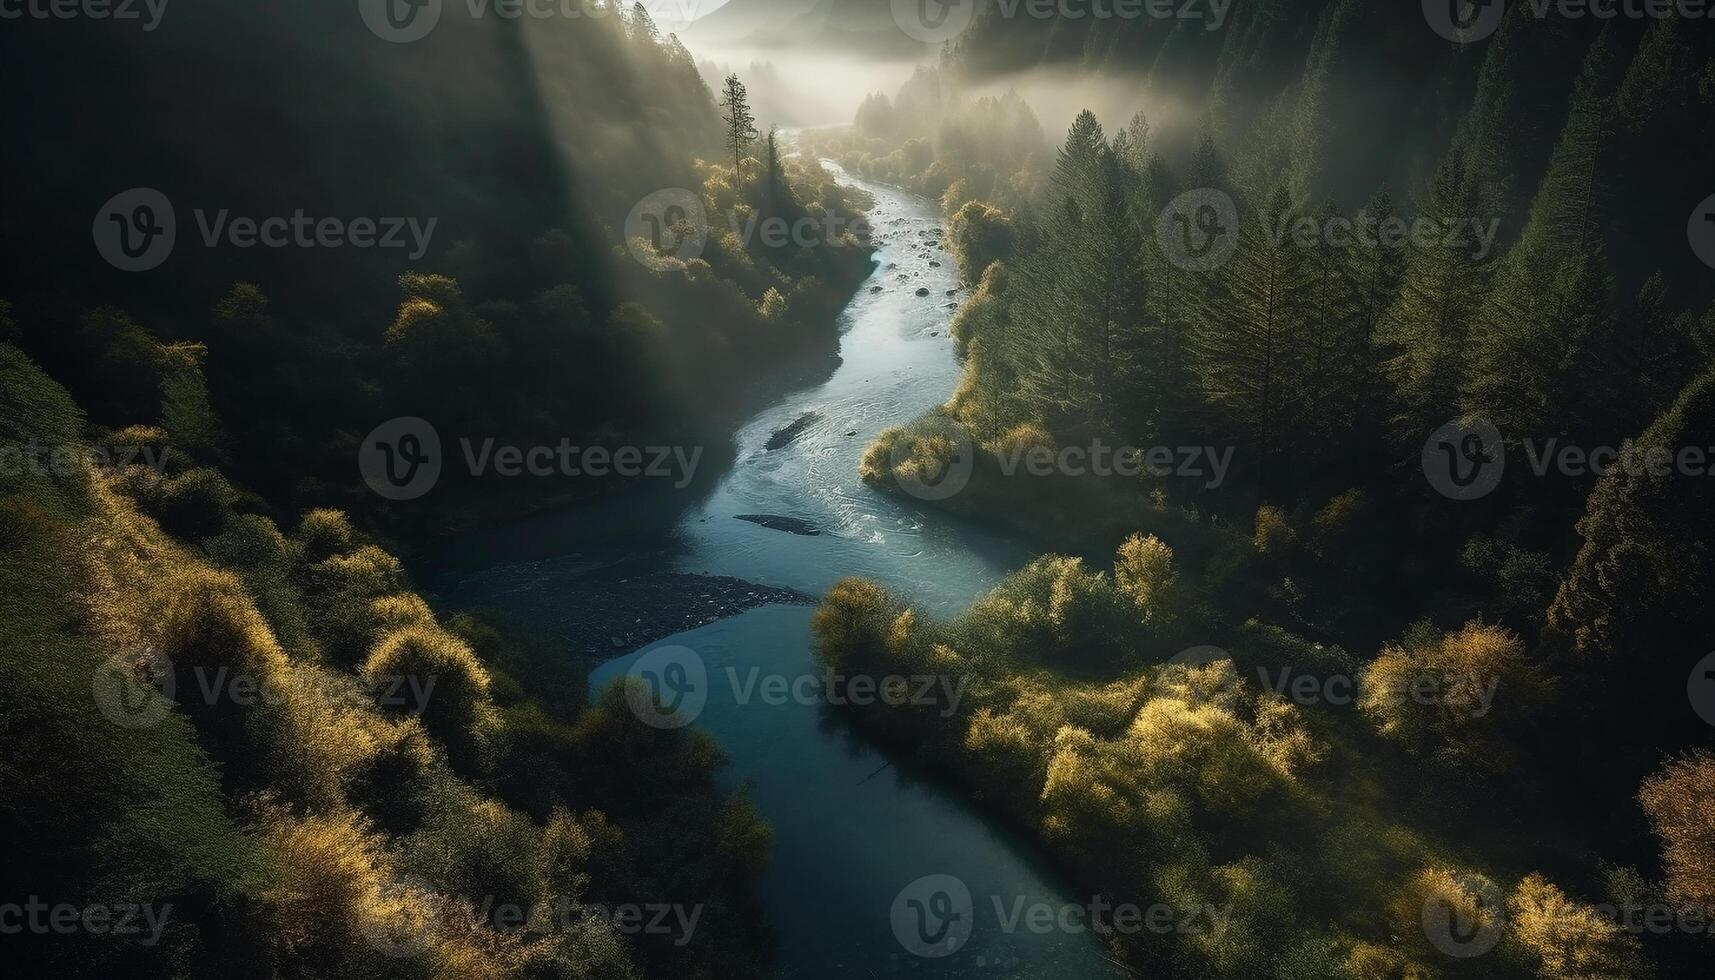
{"type": "Point", "coordinates": [1548, 313]}
{"type": "Point", "coordinates": [1250, 334]}
{"type": "Point", "coordinates": [740, 124]}
{"type": "Point", "coordinates": [1430, 323]}
{"type": "Point", "coordinates": [773, 187]}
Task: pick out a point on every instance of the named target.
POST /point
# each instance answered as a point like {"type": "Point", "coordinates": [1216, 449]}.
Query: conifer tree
{"type": "Point", "coordinates": [772, 186]}
{"type": "Point", "coordinates": [1430, 323]}
{"type": "Point", "coordinates": [740, 125]}
{"type": "Point", "coordinates": [1250, 338]}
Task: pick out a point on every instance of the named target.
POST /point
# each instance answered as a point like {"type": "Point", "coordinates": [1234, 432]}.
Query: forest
{"type": "Point", "coordinates": [1576, 593]}
{"type": "Point", "coordinates": [1313, 530]}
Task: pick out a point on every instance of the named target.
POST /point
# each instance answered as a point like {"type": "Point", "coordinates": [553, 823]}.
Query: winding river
{"type": "Point", "coordinates": [852, 832]}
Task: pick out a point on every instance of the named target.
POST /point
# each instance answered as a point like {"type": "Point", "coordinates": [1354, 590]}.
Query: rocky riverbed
{"type": "Point", "coordinates": [619, 608]}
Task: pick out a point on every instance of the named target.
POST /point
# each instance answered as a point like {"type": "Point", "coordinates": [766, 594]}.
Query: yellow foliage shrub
{"type": "Point", "coordinates": [1143, 571]}
{"type": "Point", "coordinates": [1465, 672]}
{"type": "Point", "coordinates": [1567, 940]}
{"type": "Point", "coordinates": [430, 670]}
{"type": "Point", "coordinates": [1020, 440]}
{"type": "Point", "coordinates": [1273, 535]}
{"type": "Point", "coordinates": [325, 532]}
{"type": "Point", "coordinates": [848, 623]}
{"type": "Point", "coordinates": [877, 463]}
{"type": "Point", "coordinates": [1680, 801]}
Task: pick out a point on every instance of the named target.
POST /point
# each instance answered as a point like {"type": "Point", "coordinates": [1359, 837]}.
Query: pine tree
{"type": "Point", "coordinates": [1533, 354]}
{"type": "Point", "coordinates": [642, 25]}
{"type": "Point", "coordinates": [1250, 334]}
{"type": "Point", "coordinates": [773, 188]}
{"type": "Point", "coordinates": [740, 125]}
{"type": "Point", "coordinates": [1077, 166]}
{"type": "Point", "coordinates": [1430, 323]}
{"type": "Point", "coordinates": [1336, 339]}
{"type": "Point", "coordinates": [1057, 382]}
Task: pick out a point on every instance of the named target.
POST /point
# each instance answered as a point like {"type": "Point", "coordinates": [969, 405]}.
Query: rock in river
{"type": "Point", "coordinates": [791, 525]}
{"type": "Point", "coordinates": [793, 431]}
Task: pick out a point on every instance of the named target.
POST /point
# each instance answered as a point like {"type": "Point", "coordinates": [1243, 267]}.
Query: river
{"type": "Point", "coordinates": [854, 836]}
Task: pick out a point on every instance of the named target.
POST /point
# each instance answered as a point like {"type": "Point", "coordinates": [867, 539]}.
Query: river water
{"type": "Point", "coordinates": [854, 836]}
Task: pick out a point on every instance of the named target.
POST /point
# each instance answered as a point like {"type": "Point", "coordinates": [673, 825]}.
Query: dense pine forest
{"type": "Point", "coordinates": [1135, 701]}
{"type": "Point", "coordinates": [1344, 371]}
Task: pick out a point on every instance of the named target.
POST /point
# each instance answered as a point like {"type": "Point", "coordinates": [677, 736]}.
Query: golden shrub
{"type": "Point", "coordinates": [1273, 534]}
{"type": "Point", "coordinates": [1680, 802]}
{"type": "Point", "coordinates": [431, 671]}
{"type": "Point", "coordinates": [1567, 940]}
{"type": "Point", "coordinates": [1020, 440]}
{"type": "Point", "coordinates": [1143, 571]}
{"type": "Point", "coordinates": [325, 532]}
{"type": "Point", "coordinates": [849, 622]}
{"type": "Point", "coordinates": [877, 463]}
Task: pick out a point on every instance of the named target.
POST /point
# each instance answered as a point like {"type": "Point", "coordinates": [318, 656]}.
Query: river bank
{"type": "Point", "coordinates": [853, 833]}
